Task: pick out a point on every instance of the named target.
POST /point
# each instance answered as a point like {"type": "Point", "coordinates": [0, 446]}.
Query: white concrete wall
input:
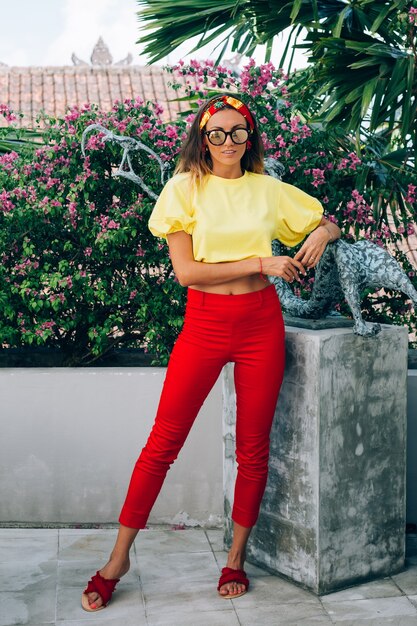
{"type": "Point", "coordinates": [70, 437]}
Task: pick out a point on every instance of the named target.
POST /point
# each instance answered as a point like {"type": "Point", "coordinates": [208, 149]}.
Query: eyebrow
{"type": "Point", "coordinates": [241, 125]}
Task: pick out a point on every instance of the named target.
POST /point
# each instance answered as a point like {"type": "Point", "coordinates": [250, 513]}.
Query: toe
{"type": "Point", "coordinates": [94, 600]}
{"type": "Point", "coordinates": [231, 589]}
{"type": "Point", "coordinates": [225, 589]}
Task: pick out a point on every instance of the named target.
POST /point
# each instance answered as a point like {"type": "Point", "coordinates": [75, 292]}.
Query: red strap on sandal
{"type": "Point", "coordinates": [230, 575]}
{"type": "Point", "coordinates": [103, 586]}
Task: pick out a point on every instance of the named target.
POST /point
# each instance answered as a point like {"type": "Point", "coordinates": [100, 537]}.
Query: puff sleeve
{"type": "Point", "coordinates": [298, 214]}
{"type": "Point", "coordinates": [172, 211]}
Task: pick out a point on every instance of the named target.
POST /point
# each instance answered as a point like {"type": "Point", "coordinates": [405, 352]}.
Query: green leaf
{"type": "Point", "coordinates": [376, 107]}
{"type": "Point", "coordinates": [367, 95]}
{"type": "Point", "coordinates": [339, 24]}
{"type": "Point", "coordinates": [296, 6]}
{"type": "Point", "coordinates": [408, 98]}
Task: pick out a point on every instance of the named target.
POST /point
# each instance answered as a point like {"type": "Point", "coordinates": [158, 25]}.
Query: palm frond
{"type": "Point", "coordinates": [18, 140]}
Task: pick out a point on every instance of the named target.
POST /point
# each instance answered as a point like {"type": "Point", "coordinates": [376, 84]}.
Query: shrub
{"type": "Point", "coordinates": [79, 267]}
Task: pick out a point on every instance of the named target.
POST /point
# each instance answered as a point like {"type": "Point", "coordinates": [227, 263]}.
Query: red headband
{"type": "Point", "coordinates": [221, 103]}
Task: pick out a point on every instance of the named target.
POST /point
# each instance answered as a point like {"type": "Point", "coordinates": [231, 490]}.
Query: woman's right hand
{"type": "Point", "coordinates": [283, 266]}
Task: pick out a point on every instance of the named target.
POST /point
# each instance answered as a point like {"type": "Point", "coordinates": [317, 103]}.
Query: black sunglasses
{"type": "Point", "coordinates": [218, 136]}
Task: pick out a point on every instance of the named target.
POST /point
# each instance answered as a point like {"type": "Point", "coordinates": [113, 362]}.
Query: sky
{"type": "Point", "coordinates": [47, 32]}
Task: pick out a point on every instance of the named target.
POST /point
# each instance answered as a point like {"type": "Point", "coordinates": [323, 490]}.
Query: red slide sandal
{"type": "Point", "coordinates": [230, 575]}
{"type": "Point", "coordinates": [103, 587]}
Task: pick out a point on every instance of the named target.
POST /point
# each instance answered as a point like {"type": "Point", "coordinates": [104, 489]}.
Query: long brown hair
{"type": "Point", "coordinates": [195, 159]}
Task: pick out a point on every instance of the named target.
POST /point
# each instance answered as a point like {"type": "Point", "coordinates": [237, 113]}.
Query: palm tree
{"type": "Point", "coordinates": [362, 53]}
{"type": "Point", "coordinates": [245, 24]}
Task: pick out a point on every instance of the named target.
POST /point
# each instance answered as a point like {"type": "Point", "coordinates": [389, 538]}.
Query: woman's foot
{"type": "Point", "coordinates": [233, 588]}
{"type": "Point", "coordinates": [114, 569]}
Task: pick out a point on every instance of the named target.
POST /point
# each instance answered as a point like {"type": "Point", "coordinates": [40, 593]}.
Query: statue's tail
{"type": "Point", "coordinates": [386, 271]}
{"type": "Point", "coordinates": [90, 129]}
{"type": "Point", "coordinates": [128, 145]}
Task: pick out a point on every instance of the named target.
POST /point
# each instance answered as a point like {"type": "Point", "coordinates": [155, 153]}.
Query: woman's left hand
{"type": "Point", "coordinates": [312, 249]}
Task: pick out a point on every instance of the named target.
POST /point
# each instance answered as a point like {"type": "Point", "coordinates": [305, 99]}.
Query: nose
{"type": "Point", "coordinates": [229, 141]}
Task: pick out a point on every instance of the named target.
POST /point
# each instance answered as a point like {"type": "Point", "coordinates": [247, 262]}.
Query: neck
{"type": "Point", "coordinates": [227, 171]}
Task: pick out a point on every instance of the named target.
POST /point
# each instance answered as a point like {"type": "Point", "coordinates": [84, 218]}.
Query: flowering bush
{"type": "Point", "coordinates": [79, 268]}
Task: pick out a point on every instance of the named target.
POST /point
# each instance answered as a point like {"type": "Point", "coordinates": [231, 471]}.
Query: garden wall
{"type": "Point", "coordinates": [70, 438]}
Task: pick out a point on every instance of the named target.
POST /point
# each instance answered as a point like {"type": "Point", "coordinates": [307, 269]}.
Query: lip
{"type": "Point", "coordinates": [229, 152]}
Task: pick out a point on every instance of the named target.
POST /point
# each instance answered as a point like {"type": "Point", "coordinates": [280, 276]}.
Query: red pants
{"type": "Point", "coordinates": [248, 330]}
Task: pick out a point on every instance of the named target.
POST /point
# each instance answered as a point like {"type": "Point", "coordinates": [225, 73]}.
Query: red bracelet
{"type": "Point", "coordinates": [262, 272]}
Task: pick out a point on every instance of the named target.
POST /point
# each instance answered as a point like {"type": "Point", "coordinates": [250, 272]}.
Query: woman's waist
{"type": "Point", "coordinates": [235, 287]}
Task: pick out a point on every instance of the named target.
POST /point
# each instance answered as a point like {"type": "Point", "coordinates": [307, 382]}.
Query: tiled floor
{"type": "Point", "coordinates": [172, 582]}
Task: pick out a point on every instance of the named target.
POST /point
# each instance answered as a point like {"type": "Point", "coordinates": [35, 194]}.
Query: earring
{"type": "Point", "coordinates": [248, 144]}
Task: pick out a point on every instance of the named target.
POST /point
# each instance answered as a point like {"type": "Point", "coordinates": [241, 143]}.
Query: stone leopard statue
{"type": "Point", "coordinates": [343, 272]}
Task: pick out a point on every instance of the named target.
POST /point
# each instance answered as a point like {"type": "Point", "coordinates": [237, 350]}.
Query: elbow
{"type": "Point", "coordinates": [184, 278]}
{"type": "Point", "coordinates": [186, 273]}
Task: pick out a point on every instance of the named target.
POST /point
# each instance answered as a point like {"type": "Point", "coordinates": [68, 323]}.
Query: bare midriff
{"type": "Point", "coordinates": [235, 287]}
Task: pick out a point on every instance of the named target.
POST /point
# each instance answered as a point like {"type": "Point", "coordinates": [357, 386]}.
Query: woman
{"type": "Point", "coordinates": [219, 214]}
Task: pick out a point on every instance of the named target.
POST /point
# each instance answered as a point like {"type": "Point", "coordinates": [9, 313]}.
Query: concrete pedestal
{"type": "Point", "coordinates": [333, 514]}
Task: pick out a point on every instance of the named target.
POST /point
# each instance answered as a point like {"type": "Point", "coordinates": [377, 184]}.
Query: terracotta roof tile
{"type": "Point", "coordinates": [54, 89]}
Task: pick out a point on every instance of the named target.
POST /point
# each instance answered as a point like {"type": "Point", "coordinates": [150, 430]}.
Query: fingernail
{"type": "Point", "coordinates": [93, 606]}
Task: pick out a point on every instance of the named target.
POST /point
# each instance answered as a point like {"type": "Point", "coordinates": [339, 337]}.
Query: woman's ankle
{"type": "Point", "coordinates": [236, 559]}
{"type": "Point", "coordinates": [119, 557]}
{"type": "Point", "coordinates": [115, 568]}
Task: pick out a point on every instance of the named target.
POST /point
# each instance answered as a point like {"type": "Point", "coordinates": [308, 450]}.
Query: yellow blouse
{"type": "Point", "coordinates": [234, 219]}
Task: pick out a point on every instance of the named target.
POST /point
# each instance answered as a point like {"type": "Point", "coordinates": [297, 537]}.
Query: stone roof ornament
{"type": "Point", "coordinates": [126, 61]}
{"type": "Point", "coordinates": [101, 56]}
{"type": "Point", "coordinates": [77, 61]}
